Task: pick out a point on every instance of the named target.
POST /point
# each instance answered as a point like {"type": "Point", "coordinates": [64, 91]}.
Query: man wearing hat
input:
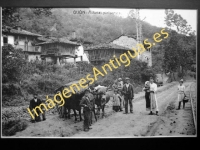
{"type": "Point", "coordinates": [87, 107]}
{"type": "Point", "coordinates": [128, 95]}
{"type": "Point", "coordinates": [34, 103]}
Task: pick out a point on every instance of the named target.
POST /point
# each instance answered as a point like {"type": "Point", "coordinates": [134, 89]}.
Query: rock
{"type": "Point", "coordinates": [174, 122]}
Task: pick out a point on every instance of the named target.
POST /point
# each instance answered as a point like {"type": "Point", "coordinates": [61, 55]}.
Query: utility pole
{"type": "Point", "coordinates": [139, 29]}
{"type": "Point", "coordinates": [135, 14]}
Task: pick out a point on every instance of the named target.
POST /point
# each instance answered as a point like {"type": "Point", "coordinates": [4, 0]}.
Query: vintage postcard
{"type": "Point", "coordinates": [98, 72]}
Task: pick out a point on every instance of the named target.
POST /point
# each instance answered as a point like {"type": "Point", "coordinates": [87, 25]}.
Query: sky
{"type": "Point", "coordinates": [156, 16]}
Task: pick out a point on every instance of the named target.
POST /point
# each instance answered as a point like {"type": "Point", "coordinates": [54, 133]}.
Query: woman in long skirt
{"type": "Point", "coordinates": [116, 101]}
{"type": "Point", "coordinates": [181, 93]}
{"type": "Point", "coordinates": [147, 95]}
{"type": "Point", "coordinates": [153, 99]}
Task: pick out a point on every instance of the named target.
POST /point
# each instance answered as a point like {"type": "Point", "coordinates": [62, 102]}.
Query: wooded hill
{"type": "Point", "coordinates": [21, 79]}
{"type": "Point", "coordinates": [97, 28]}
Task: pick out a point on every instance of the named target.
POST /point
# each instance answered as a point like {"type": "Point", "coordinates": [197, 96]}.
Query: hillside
{"type": "Point", "coordinates": [96, 28]}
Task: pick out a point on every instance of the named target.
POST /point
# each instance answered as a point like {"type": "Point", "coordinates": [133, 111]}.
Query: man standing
{"type": "Point", "coordinates": [128, 95]}
{"type": "Point", "coordinates": [34, 103]}
{"type": "Point", "coordinates": [85, 103]}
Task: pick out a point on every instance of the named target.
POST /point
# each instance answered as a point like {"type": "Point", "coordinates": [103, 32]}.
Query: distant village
{"type": "Point", "coordinates": [60, 51]}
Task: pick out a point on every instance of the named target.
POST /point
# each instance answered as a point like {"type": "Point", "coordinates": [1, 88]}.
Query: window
{"type": "Point", "coordinates": [5, 40]}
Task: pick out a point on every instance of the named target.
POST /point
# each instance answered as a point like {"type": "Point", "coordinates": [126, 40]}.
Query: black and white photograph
{"type": "Point", "coordinates": [98, 72]}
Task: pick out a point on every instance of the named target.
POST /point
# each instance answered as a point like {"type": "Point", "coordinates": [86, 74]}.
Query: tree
{"type": "Point", "coordinates": [180, 46]}
{"type": "Point", "coordinates": [13, 62]}
{"type": "Point", "coordinates": [170, 53]}
{"type": "Point", "coordinates": [173, 19]}
{"type": "Point", "coordinates": [11, 15]}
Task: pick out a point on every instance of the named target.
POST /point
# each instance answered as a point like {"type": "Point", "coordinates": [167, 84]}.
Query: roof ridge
{"type": "Point", "coordinates": [22, 31]}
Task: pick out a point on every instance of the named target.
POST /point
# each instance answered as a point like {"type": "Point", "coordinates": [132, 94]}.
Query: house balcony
{"type": "Point", "coordinates": [29, 49]}
{"type": "Point", "coordinates": [96, 58]}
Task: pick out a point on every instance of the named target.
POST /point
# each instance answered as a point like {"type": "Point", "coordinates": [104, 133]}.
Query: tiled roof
{"type": "Point", "coordinates": [58, 40]}
{"type": "Point", "coordinates": [22, 32]}
{"type": "Point", "coordinates": [106, 46]}
{"type": "Point", "coordinates": [130, 36]}
{"type": "Point", "coordinates": [46, 38]}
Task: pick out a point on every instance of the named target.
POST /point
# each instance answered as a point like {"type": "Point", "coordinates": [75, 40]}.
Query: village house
{"type": "Point", "coordinates": [99, 54]}
{"type": "Point", "coordinates": [58, 50]}
{"type": "Point", "coordinates": [23, 39]}
{"type": "Point", "coordinates": [130, 42]}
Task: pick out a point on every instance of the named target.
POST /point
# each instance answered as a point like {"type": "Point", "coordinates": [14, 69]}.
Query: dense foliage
{"type": "Point", "coordinates": [88, 27]}
{"type": "Point", "coordinates": [12, 64]}
{"type": "Point", "coordinates": [180, 48]}
{"type": "Point", "coordinates": [22, 78]}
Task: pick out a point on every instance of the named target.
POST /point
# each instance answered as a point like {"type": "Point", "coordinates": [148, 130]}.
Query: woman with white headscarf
{"type": "Point", "coordinates": [153, 99]}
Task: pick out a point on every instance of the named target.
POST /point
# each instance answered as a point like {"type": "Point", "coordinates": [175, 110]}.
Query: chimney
{"type": "Point", "coordinates": [18, 28]}
{"type": "Point", "coordinates": [74, 34]}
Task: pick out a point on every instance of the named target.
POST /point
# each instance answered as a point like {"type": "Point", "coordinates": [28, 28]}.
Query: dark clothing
{"type": "Point", "coordinates": [147, 97]}
{"type": "Point", "coordinates": [87, 120]}
{"type": "Point", "coordinates": [34, 104]}
{"type": "Point", "coordinates": [90, 118]}
{"type": "Point", "coordinates": [127, 100]}
{"type": "Point", "coordinates": [116, 108]}
{"type": "Point", "coordinates": [87, 107]}
{"type": "Point", "coordinates": [128, 93]}
{"type": "Point", "coordinates": [128, 96]}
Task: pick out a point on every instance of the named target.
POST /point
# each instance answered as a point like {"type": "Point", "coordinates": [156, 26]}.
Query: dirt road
{"type": "Point", "coordinates": [170, 122]}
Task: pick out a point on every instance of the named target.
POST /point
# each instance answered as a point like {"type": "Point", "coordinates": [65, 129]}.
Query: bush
{"type": "Point", "coordinates": [10, 127]}
{"type": "Point", "coordinates": [107, 82]}
{"type": "Point", "coordinates": [180, 74]}
{"type": "Point", "coordinates": [12, 64]}
{"type": "Point", "coordinates": [11, 89]}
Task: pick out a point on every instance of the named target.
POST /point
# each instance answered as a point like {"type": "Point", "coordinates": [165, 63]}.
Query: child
{"type": "Point", "coordinates": [116, 101]}
{"type": "Point", "coordinates": [181, 93]}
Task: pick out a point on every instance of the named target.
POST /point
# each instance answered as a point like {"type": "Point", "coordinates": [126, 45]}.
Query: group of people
{"type": "Point", "coordinates": [150, 96]}
{"type": "Point", "coordinates": [123, 95]}
{"type": "Point", "coordinates": [151, 100]}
